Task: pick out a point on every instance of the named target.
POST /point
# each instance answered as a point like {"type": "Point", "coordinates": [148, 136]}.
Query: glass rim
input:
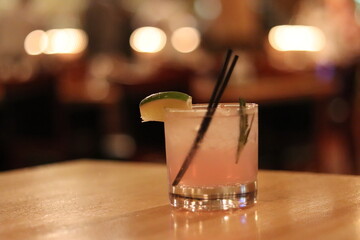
{"type": "Point", "coordinates": [202, 107]}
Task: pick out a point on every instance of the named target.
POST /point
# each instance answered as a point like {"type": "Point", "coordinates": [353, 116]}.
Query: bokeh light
{"type": "Point", "coordinates": [148, 40]}
{"type": "Point", "coordinates": [185, 39]}
{"type": "Point", "coordinates": [296, 38]}
{"type": "Point", "coordinates": [36, 42]}
{"type": "Point", "coordinates": [66, 41]}
{"type": "Point", "coordinates": [56, 41]}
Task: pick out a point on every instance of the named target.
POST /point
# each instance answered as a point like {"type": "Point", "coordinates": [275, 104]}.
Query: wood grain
{"type": "Point", "coordinates": [117, 200]}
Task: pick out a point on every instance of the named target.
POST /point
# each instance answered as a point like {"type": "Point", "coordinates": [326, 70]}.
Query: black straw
{"type": "Point", "coordinates": [220, 77]}
{"type": "Point", "coordinates": [214, 101]}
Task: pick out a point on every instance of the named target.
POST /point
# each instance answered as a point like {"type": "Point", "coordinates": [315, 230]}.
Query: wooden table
{"type": "Point", "coordinates": [112, 200]}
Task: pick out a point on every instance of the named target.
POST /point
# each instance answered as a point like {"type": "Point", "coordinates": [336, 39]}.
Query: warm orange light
{"type": "Point", "coordinates": [296, 38]}
{"type": "Point", "coordinates": [148, 40]}
{"type": "Point", "coordinates": [35, 42]}
{"type": "Point", "coordinates": [66, 41]}
{"type": "Point", "coordinates": [56, 41]}
{"type": "Point", "coordinates": [185, 39]}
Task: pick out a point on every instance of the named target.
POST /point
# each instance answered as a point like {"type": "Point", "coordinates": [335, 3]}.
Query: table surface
{"type": "Point", "coordinates": [88, 199]}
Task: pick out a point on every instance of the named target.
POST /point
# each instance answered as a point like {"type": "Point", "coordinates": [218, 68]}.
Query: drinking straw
{"type": "Point", "coordinates": [220, 78]}
{"type": "Point", "coordinates": [219, 88]}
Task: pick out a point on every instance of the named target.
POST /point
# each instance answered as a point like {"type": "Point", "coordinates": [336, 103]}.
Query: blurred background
{"type": "Point", "coordinates": [72, 74]}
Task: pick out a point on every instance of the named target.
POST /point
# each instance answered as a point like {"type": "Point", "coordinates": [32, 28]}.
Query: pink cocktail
{"type": "Point", "coordinates": [223, 171]}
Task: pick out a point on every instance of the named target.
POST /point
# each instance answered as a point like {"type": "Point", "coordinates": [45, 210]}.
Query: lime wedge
{"type": "Point", "coordinates": [152, 108]}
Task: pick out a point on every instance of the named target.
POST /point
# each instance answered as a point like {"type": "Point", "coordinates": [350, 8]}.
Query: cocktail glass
{"type": "Point", "coordinates": [223, 171]}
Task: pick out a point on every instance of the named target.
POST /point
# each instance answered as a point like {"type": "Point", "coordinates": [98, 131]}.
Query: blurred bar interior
{"type": "Point", "coordinates": [72, 73]}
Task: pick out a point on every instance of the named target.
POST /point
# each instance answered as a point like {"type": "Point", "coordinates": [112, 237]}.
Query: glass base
{"type": "Point", "coordinates": [213, 198]}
